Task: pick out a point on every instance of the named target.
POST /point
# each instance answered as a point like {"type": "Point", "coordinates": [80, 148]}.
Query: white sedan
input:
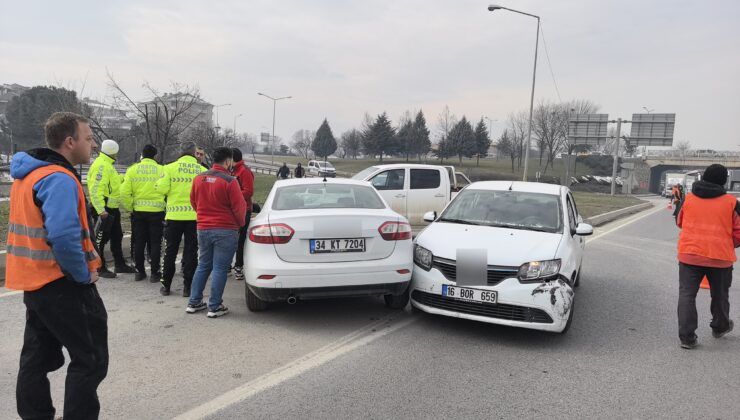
{"type": "Point", "coordinates": [502, 252]}
{"type": "Point", "coordinates": [326, 238]}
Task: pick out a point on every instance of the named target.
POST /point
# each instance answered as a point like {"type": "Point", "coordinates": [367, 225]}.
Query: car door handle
{"type": "Point", "coordinates": [439, 195]}
{"type": "Point", "coordinates": [400, 196]}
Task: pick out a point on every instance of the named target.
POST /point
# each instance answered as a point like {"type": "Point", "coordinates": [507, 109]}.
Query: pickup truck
{"type": "Point", "coordinates": [414, 189]}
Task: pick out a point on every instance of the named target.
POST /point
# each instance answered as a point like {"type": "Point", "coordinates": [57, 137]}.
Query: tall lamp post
{"type": "Point", "coordinates": [234, 126]}
{"type": "Point", "coordinates": [492, 8]}
{"type": "Point", "coordinates": [216, 107]}
{"type": "Point", "coordinates": [490, 131]}
{"type": "Point", "coordinates": [272, 140]}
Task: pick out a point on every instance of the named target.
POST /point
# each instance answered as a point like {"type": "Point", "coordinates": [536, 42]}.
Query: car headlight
{"type": "Point", "coordinates": [538, 270]}
{"type": "Point", "coordinates": [422, 257]}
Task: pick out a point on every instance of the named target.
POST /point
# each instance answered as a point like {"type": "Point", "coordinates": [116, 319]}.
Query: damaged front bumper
{"type": "Point", "coordinates": [542, 306]}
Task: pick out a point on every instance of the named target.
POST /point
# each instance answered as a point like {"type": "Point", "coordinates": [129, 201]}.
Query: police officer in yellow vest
{"type": "Point", "coordinates": [139, 195]}
{"type": "Point", "coordinates": [175, 183]}
{"type": "Point", "coordinates": [103, 184]}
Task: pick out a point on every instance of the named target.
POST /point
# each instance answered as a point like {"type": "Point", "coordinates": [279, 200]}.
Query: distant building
{"type": "Point", "coordinates": [8, 92]}
{"type": "Point", "coordinates": [199, 115]}
{"type": "Point", "coordinates": [109, 118]}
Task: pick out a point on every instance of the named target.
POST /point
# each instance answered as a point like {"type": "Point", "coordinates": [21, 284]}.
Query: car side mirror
{"type": "Point", "coordinates": [584, 229]}
{"type": "Point", "coordinates": [430, 216]}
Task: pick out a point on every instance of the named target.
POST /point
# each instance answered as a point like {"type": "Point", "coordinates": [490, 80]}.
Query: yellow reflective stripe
{"type": "Point", "coordinates": [174, 209]}
{"type": "Point", "coordinates": [34, 254]}
{"type": "Point", "coordinates": [24, 230]}
{"type": "Point", "coordinates": [149, 203]}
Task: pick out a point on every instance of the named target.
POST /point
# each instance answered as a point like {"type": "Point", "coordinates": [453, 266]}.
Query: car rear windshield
{"type": "Point", "coordinates": [508, 209]}
{"type": "Point", "coordinates": [320, 196]}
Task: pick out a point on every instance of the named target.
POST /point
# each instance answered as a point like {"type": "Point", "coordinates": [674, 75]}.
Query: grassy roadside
{"type": "Point", "coordinates": [591, 204]}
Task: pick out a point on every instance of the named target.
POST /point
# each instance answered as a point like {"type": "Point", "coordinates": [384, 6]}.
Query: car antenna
{"type": "Point", "coordinates": [324, 178]}
{"type": "Point", "coordinates": [510, 186]}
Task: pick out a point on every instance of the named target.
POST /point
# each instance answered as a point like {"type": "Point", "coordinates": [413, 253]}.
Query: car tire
{"type": "Point", "coordinates": [254, 304]}
{"type": "Point", "coordinates": [570, 317]}
{"type": "Point", "coordinates": [397, 301]}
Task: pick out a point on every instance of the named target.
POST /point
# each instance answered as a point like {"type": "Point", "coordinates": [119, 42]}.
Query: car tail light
{"type": "Point", "coordinates": [403, 271]}
{"type": "Point", "coordinates": [395, 231]}
{"type": "Point", "coordinates": [278, 233]}
{"type": "Point", "coordinates": [266, 277]}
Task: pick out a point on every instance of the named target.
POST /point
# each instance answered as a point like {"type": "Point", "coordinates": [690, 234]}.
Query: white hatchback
{"type": "Point", "coordinates": [326, 238]}
{"type": "Point", "coordinates": [502, 252]}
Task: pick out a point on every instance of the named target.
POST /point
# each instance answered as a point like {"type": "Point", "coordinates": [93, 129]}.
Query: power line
{"type": "Point", "coordinates": [549, 64]}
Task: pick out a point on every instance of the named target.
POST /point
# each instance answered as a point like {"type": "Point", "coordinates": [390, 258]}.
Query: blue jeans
{"type": "Point", "coordinates": [216, 250]}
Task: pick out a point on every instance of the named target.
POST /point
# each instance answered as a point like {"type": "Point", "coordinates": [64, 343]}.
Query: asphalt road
{"type": "Point", "coordinates": [356, 359]}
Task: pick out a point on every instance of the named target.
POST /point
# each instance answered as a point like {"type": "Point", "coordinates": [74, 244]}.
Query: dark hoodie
{"type": "Point", "coordinates": [56, 196]}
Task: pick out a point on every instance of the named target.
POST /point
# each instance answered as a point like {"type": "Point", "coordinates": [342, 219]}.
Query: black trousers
{"type": "Point", "coordinates": [689, 278]}
{"type": "Point", "coordinates": [110, 231]}
{"type": "Point", "coordinates": [173, 234]}
{"type": "Point", "coordinates": [240, 246]}
{"type": "Point", "coordinates": [63, 314]}
{"type": "Point", "coordinates": [147, 231]}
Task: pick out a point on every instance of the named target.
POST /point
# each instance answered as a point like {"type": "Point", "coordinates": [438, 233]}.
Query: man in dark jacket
{"type": "Point", "coordinates": [246, 181]}
{"type": "Point", "coordinates": [710, 231]}
{"type": "Point", "coordinates": [217, 199]}
{"type": "Point", "coordinates": [283, 172]}
{"type": "Point", "coordinates": [299, 172]}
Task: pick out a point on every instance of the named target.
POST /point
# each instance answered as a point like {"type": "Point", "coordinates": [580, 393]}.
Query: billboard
{"type": "Point", "coordinates": [587, 129]}
{"type": "Point", "coordinates": [265, 137]}
{"type": "Point", "coordinates": [652, 129]}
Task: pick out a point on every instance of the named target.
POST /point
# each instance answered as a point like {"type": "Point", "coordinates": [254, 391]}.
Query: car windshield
{"type": "Point", "coordinates": [362, 175]}
{"type": "Point", "coordinates": [325, 165]}
{"type": "Point", "coordinates": [331, 196]}
{"type": "Point", "coordinates": [508, 209]}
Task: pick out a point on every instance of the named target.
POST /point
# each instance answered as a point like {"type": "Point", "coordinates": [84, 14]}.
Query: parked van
{"type": "Point", "coordinates": [414, 189]}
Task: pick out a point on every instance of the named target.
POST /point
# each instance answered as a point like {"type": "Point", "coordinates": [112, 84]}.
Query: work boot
{"type": "Point", "coordinates": [105, 273]}
{"type": "Point", "coordinates": [155, 278]}
{"type": "Point", "coordinates": [690, 344]}
{"type": "Point", "coordinates": [140, 276]}
{"type": "Point", "coordinates": [125, 269]}
{"type": "Point", "coordinates": [164, 291]}
{"type": "Point", "coordinates": [186, 291]}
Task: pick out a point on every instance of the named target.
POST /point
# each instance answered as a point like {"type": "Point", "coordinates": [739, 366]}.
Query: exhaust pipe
{"type": "Point", "coordinates": [292, 300]}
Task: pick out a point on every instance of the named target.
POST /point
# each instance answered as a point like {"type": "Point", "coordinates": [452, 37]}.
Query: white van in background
{"type": "Point", "coordinates": [414, 189]}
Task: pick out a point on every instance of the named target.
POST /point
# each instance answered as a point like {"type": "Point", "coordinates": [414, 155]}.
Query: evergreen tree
{"type": "Point", "coordinates": [404, 138]}
{"type": "Point", "coordinates": [482, 141]}
{"type": "Point", "coordinates": [420, 143]}
{"type": "Point", "coordinates": [324, 143]}
{"type": "Point", "coordinates": [462, 139]}
{"type": "Point", "coordinates": [379, 138]}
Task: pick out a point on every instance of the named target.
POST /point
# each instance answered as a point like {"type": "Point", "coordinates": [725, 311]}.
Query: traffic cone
{"type": "Point", "coordinates": [704, 283]}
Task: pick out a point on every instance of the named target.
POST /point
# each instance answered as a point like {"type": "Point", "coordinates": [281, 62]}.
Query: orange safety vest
{"type": "Point", "coordinates": [706, 228]}
{"type": "Point", "coordinates": [30, 263]}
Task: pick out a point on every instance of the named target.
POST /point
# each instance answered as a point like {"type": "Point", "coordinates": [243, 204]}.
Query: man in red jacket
{"type": "Point", "coordinates": [218, 201]}
{"type": "Point", "coordinates": [710, 231]}
{"type": "Point", "coordinates": [246, 180]}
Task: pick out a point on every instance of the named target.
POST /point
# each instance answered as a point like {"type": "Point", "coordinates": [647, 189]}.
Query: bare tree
{"type": "Point", "coordinates": [519, 122]}
{"type": "Point", "coordinates": [249, 144]}
{"type": "Point", "coordinates": [351, 143]}
{"type": "Point", "coordinates": [683, 147]}
{"type": "Point", "coordinates": [302, 142]}
{"type": "Point", "coordinates": [165, 118]}
{"type": "Point", "coordinates": [445, 121]}
{"type": "Point", "coordinates": [209, 140]}
{"type": "Point", "coordinates": [549, 125]}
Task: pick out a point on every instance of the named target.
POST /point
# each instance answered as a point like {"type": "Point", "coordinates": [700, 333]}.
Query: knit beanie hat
{"type": "Point", "coordinates": [716, 174]}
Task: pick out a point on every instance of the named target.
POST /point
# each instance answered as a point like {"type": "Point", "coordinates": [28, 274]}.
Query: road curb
{"type": "Point", "coordinates": [611, 216]}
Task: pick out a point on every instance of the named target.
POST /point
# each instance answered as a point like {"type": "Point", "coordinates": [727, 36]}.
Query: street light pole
{"type": "Point", "coordinates": [217, 127]}
{"type": "Point", "coordinates": [272, 140]}
{"type": "Point", "coordinates": [234, 126]}
{"type": "Point", "coordinates": [492, 8]}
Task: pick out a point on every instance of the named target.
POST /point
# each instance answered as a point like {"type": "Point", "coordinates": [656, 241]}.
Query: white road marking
{"type": "Point", "coordinates": [626, 222]}
{"type": "Point", "coordinates": [304, 363]}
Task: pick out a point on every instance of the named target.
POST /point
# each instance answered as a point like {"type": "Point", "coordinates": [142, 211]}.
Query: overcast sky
{"type": "Point", "coordinates": [340, 59]}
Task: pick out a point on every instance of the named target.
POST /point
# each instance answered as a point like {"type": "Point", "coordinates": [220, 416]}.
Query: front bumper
{"type": "Point", "coordinates": [539, 306]}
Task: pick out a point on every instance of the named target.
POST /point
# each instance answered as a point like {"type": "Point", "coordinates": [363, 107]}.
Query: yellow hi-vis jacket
{"type": "Point", "coordinates": [103, 184]}
{"type": "Point", "coordinates": [176, 182]}
{"type": "Point", "coordinates": [137, 190]}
